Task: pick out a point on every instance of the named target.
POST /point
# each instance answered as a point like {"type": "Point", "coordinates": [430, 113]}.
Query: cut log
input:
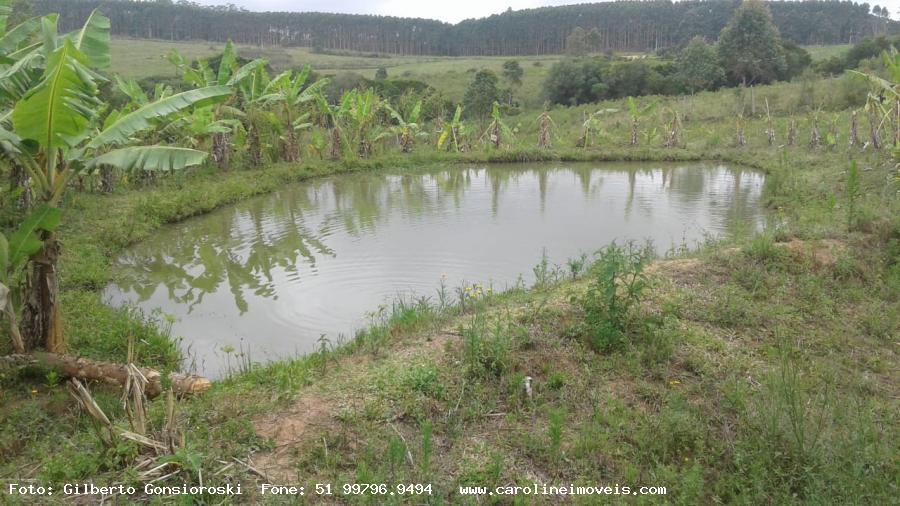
{"type": "Point", "coordinates": [109, 372]}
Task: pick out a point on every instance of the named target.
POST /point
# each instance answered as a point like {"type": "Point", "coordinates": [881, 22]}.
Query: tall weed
{"type": "Point", "coordinates": [618, 285]}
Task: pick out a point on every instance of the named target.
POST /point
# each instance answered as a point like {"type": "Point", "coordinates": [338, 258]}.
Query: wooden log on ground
{"type": "Point", "coordinates": [109, 372]}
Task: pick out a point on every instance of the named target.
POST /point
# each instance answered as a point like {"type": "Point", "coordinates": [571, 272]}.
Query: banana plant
{"type": "Point", "coordinates": [317, 144]}
{"type": "Point", "coordinates": [251, 81]}
{"type": "Point", "coordinates": [14, 254]}
{"type": "Point", "coordinates": [289, 95]}
{"type": "Point", "coordinates": [335, 117]}
{"type": "Point", "coordinates": [57, 134]}
{"type": "Point", "coordinates": [883, 101]}
{"type": "Point", "coordinates": [545, 130]}
{"type": "Point", "coordinates": [225, 120]}
{"type": "Point", "coordinates": [452, 134]}
{"type": "Point", "coordinates": [592, 127]}
{"type": "Point", "coordinates": [362, 120]}
{"type": "Point", "coordinates": [406, 129]}
{"type": "Point", "coordinates": [497, 129]}
{"type": "Point", "coordinates": [673, 134]}
{"type": "Point", "coordinates": [636, 113]}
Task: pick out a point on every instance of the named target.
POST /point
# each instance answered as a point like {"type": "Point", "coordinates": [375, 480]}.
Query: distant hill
{"type": "Point", "coordinates": [620, 26]}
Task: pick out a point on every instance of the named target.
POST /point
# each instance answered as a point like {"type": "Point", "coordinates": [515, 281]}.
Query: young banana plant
{"type": "Point", "coordinates": [226, 121]}
{"type": "Point", "coordinates": [451, 135]}
{"type": "Point", "coordinates": [497, 129]}
{"type": "Point", "coordinates": [545, 130]}
{"type": "Point", "coordinates": [334, 118]}
{"type": "Point", "coordinates": [592, 127]}
{"type": "Point", "coordinates": [636, 113]}
{"type": "Point", "coordinates": [407, 129]}
{"type": "Point", "coordinates": [14, 254]}
{"type": "Point", "coordinates": [292, 99]}
{"type": "Point", "coordinates": [883, 101]}
{"type": "Point", "coordinates": [363, 120]}
{"type": "Point", "coordinates": [251, 81]}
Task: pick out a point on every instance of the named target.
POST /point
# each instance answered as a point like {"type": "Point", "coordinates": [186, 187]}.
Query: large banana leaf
{"type": "Point", "coordinates": [132, 90]}
{"type": "Point", "coordinates": [227, 64]}
{"type": "Point", "coordinates": [245, 71]}
{"type": "Point", "coordinates": [149, 158]}
{"type": "Point", "coordinates": [121, 131]}
{"type": "Point", "coordinates": [312, 90]}
{"type": "Point", "coordinates": [5, 11]}
{"type": "Point", "coordinates": [21, 33]}
{"type": "Point", "coordinates": [50, 34]}
{"type": "Point", "coordinates": [25, 241]}
{"type": "Point", "coordinates": [17, 79]}
{"type": "Point", "coordinates": [93, 40]}
{"type": "Point", "coordinates": [61, 105]}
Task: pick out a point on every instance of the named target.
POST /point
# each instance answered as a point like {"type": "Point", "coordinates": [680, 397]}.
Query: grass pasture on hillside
{"type": "Point", "coordinates": [146, 58]}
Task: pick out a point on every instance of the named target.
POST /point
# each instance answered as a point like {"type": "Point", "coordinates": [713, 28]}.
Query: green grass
{"type": "Point", "coordinates": [819, 53]}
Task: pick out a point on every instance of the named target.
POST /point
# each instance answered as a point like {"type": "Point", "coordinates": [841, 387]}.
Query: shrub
{"type": "Point", "coordinates": [618, 285]}
{"type": "Point", "coordinates": [486, 351]}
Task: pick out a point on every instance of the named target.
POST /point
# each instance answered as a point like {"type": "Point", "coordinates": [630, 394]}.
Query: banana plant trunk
{"type": "Point", "coordinates": [291, 149]}
{"type": "Point", "coordinates": [18, 179]}
{"type": "Point", "coordinates": [220, 150]}
{"type": "Point", "coordinates": [406, 142]}
{"type": "Point", "coordinates": [41, 324]}
{"type": "Point", "coordinates": [544, 134]}
{"type": "Point", "coordinates": [365, 148]}
{"type": "Point", "coordinates": [335, 144]}
{"type": "Point", "coordinates": [107, 179]}
{"type": "Point", "coordinates": [255, 147]}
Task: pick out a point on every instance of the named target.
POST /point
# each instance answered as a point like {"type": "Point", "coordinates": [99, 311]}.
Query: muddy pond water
{"type": "Point", "coordinates": [275, 273]}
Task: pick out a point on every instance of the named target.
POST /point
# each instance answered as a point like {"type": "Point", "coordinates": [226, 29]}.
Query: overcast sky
{"type": "Point", "coordinates": [445, 10]}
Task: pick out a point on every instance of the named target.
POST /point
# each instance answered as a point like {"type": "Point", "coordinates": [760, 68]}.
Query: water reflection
{"type": "Point", "coordinates": [278, 271]}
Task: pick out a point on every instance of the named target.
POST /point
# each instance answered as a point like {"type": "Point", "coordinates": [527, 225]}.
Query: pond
{"type": "Point", "coordinates": [275, 273]}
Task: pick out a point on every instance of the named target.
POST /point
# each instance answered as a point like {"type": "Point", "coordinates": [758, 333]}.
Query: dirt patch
{"type": "Point", "coordinates": [313, 413]}
{"type": "Point", "coordinates": [823, 252]}
{"type": "Point", "coordinates": [291, 429]}
{"type": "Point", "coordinates": [675, 268]}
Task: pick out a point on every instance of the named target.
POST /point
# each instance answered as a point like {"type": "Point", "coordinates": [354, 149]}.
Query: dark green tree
{"type": "Point", "coordinates": [381, 74]}
{"type": "Point", "coordinates": [576, 81]}
{"type": "Point", "coordinates": [481, 94]}
{"type": "Point", "coordinates": [512, 74]}
{"type": "Point", "coordinates": [577, 42]}
{"type": "Point", "coordinates": [796, 60]}
{"type": "Point", "coordinates": [698, 66]}
{"type": "Point", "coordinates": [750, 46]}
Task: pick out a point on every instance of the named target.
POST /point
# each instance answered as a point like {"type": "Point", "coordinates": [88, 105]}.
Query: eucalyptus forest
{"type": "Point", "coordinates": [643, 252]}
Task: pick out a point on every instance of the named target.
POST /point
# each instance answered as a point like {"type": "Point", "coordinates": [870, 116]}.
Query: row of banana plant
{"type": "Point", "coordinates": [266, 116]}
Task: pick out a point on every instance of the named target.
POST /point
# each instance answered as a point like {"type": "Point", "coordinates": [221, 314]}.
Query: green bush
{"type": "Point", "coordinates": [618, 285]}
{"type": "Point", "coordinates": [486, 351]}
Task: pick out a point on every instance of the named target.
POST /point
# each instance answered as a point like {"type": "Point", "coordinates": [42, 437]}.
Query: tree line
{"type": "Point", "coordinates": [616, 26]}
